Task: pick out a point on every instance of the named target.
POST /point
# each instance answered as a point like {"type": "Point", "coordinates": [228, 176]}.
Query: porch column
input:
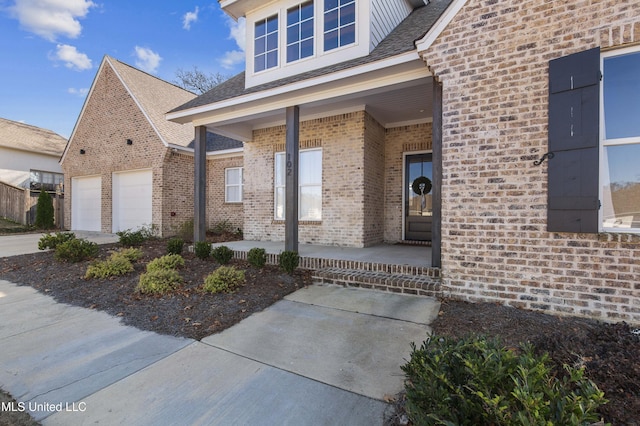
{"type": "Point", "coordinates": [200, 185]}
{"type": "Point", "coordinates": [436, 231]}
{"type": "Point", "coordinates": [292, 150]}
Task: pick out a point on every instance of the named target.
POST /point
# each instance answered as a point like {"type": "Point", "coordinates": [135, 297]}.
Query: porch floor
{"type": "Point", "coordinates": [390, 254]}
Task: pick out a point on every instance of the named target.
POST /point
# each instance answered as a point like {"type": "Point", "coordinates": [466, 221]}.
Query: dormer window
{"type": "Point", "coordinates": [339, 23]}
{"type": "Point", "coordinates": [266, 44]}
{"type": "Point", "coordinates": [300, 31]}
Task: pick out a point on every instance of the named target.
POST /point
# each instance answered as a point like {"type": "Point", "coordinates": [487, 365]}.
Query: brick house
{"type": "Point", "coordinates": [370, 121]}
{"type": "Point", "coordinates": [126, 166]}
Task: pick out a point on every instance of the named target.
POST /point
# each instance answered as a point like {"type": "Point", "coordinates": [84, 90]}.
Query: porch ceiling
{"type": "Point", "coordinates": [392, 102]}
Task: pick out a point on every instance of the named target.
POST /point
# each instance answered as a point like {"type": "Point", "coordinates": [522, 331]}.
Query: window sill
{"type": "Point", "coordinates": [301, 222]}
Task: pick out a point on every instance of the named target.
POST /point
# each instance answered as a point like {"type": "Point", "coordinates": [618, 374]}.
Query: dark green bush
{"type": "Point", "coordinates": [175, 246]}
{"type": "Point", "coordinates": [159, 281]}
{"type": "Point", "coordinates": [169, 261]}
{"type": "Point", "coordinates": [476, 381]}
{"type": "Point", "coordinates": [76, 250]}
{"type": "Point", "coordinates": [44, 211]}
{"type": "Point", "coordinates": [51, 241]}
{"type": "Point", "coordinates": [289, 261]}
{"type": "Point", "coordinates": [202, 249]}
{"type": "Point", "coordinates": [224, 279]}
{"type": "Point", "coordinates": [131, 238]}
{"type": "Point", "coordinates": [257, 257]}
{"type": "Point", "coordinates": [222, 254]}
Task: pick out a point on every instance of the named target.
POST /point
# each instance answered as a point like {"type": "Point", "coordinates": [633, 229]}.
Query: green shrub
{"type": "Point", "coordinates": [224, 279]}
{"type": "Point", "coordinates": [131, 253]}
{"type": "Point", "coordinates": [118, 263]}
{"type": "Point", "coordinates": [175, 246]}
{"type": "Point", "coordinates": [289, 261]}
{"type": "Point", "coordinates": [113, 266]}
{"type": "Point", "coordinates": [476, 381]}
{"type": "Point", "coordinates": [76, 250]}
{"type": "Point", "coordinates": [131, 238]}
{"type": "Point", "coordinates": [159, 281]}
{"type": "Point", "coordinates": [257, 257]}
{"type": "Point", "coordinates": [52, 241]}
{"type": "Point", "coordinates": [169, 261]}
{"type": "Point", "coordinates": [44, 211]}
{"type": "Point", "coordinates": [222, 254]}
{"type": "Point", "coordinates": [202, 249]}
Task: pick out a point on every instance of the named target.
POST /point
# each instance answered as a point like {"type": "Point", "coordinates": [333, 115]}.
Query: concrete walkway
{"type": "Point", "coordinates": [325, 355]}
{"type": "Point", "coordinates": [12, 245]}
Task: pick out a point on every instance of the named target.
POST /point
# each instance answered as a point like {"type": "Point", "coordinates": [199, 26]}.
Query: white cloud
{"type": "Point", "coordinates": [238, 34]}
{"type": "Point", "coordinates": [72, 58]}
{"type": "Point", "coordinates": [147, 60]}
{"type": "Point", "coordinates": [188, 18]}
{"type": "Point", "coordinates": [78, 92]}
{"type": "Point", "coordinates": [51, 18]}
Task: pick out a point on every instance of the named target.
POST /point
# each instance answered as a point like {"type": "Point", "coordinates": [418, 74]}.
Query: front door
{"type": "Point", "coordinates": [418, 197]}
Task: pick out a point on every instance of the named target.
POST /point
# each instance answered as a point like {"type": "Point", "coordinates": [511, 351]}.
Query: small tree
{"type": "Point", "coordinates": [44, 211]}
{"type": "Point", "coordinates": [198, 81]}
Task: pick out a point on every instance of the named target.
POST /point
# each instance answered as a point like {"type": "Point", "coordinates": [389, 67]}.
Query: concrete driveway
{"type": "Point", "coordinates": [12, 245]}
{"type": "Point", "coordinates": [325, 355]}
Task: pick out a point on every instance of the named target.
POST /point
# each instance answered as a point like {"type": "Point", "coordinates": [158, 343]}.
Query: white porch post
{"type": "Point", "coordinates": [292, 149]}
{"type": "Point", "coordinates": [200, 184]}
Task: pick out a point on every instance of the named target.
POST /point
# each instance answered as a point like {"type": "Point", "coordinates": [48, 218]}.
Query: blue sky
{"type": "Point", "coordinates": [50, 50]}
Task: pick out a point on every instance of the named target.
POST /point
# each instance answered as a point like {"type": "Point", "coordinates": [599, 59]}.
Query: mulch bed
{"type": "Point", "coordinates": [610, 352]}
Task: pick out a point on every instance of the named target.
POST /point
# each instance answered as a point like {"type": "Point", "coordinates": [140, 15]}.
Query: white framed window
{"type": "Point", "coordinates": [309, 185]}
{"type": "Point", "coordinates": [233, 185]}
{"type": "Point", "coordinates": [620, 136]}
{"type": "Point", "coordinates": [300, 31]}
{"type": "Point", "coordinates": [265, 44]}
{"type": "Point", "coordinates": [339, 23]}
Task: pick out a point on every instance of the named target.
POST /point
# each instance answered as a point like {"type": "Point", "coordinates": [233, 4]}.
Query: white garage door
{"type": "Point", "coordinates": [132, 200]}
{"type": "Point", "coordinates": [86, 201]}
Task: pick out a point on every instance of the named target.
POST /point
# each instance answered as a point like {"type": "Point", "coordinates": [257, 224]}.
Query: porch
{"type": "Point", "coordinates": [397, 268]}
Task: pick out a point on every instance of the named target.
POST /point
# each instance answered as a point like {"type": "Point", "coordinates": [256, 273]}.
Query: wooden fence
{"type": "Point", "coordinates": [19, 205]}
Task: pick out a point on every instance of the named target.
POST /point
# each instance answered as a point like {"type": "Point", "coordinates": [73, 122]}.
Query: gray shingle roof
{"type": "Point", "coordinates": [30, 138]}
{"type": "Point", "coordinates": [401, 40]}
{"type": "Point", "coordinates": [217, 142]}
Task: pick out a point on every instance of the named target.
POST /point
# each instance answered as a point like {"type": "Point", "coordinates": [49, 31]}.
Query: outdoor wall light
{"type": "Point", "coordinates": [129, 142]}
{"type": "Point", "coordinates": [82, 151]}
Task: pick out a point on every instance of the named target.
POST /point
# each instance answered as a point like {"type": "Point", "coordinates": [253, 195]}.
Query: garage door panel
{"type": "Point", "coordinates": [132, 200]}
{"type": "Point", "coordinates": [86, 202]}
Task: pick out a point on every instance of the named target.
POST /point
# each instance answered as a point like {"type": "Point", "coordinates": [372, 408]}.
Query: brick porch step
{"type": "Point", "coordinates": [425, 284]}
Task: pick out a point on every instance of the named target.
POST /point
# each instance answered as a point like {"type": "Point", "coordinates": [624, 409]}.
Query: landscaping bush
{"type": "Point", "coordinates": [169, 261]}
{"type": "Point", "coordinates": [185, 230]}
{"type": "Point", "coordinates": [477, 381]}
{"type": "Point", "coordinates": [118, 263]}
{"type": "Point", "coordinates": [76, 250]}
{"type": "Point", "coordinates": [224, 279]}
{"type": "Point", "coordinates": [175, 246]}
{"type": "Point", "coordinates": [131, 238]}
{"type": "Point", "coordinates": [115, 265]}
{"type": "Point", "coordinates": [202, 249]}
{"type": "Point", "coordinates": [44, 211]}
{"type": "Point", "coordinates": [222, 254]}
{"type": "Point", "coordinates": [131, 253]}
{"type": "Point", "coordinates": [289, 261]}
{"type": "Point", "coordinates": [158, 281]}
{"type": "Point", "coordinates": [221, 227]}
{"type": "Point", "coordinates": [257, 257]}
{"type": "Point", "coordinates": [51, 241]}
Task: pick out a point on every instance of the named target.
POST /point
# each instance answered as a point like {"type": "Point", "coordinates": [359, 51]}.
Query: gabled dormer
{"type": "Point", "coordinates": [289, 37]}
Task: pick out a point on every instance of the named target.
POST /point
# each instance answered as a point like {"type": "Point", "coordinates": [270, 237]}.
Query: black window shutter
{"type": "Point", "coordinates": [574, 114]}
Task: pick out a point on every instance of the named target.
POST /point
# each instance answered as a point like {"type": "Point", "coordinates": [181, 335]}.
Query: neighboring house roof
{"type": "Point", "coordinates": [401, 40]}
{"type": "Point", "coordinates": [155, 97]}
{"type": "Point", "coordinates": [17, 178]}
{"type": "Point", "coordinates": [24, 137]}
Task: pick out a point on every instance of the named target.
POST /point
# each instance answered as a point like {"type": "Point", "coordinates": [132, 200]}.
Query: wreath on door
{"type": "Point", "coordinates": [421, 185]}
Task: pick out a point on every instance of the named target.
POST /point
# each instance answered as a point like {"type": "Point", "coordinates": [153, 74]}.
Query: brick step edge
{"type": "Point", "coordinates": [421, 285]}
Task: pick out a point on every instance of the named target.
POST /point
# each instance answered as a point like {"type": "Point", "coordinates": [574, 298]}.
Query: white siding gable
{"type": "Point", "coordinates": [385, 16]}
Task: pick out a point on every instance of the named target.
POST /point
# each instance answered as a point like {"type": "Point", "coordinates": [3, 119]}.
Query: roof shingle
{"type": "Point", "coordinates": [30, 138]}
